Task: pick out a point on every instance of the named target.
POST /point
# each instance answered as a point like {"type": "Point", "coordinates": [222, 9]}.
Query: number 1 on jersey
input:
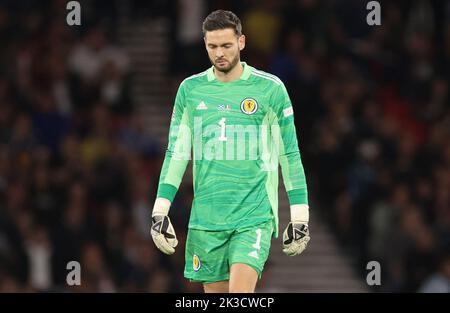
{"type": "Point", "coordinates": [222, 129]}
{"type": "Point", "coordinates": [257, 244]}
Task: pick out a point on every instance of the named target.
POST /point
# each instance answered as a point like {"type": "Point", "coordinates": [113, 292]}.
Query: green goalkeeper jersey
{"type": "Point", "coordinates": [236, 134]}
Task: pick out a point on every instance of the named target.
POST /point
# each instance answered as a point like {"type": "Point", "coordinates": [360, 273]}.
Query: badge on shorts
{"type": "Point", "coordinates": [249, 106]}
{"type": "Point", "coordinates": [196, 264]}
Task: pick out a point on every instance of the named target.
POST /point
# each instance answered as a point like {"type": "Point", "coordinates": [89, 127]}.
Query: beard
{"type": "Point", "coordinates": [226, 66]}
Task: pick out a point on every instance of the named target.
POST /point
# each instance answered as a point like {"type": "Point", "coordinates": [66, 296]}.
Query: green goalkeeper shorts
{"type": "Point", "coordinates": [210, 254]}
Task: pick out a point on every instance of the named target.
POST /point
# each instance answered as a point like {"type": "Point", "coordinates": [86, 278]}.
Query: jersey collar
{"type": "Point", "coordinates": [244, 76]}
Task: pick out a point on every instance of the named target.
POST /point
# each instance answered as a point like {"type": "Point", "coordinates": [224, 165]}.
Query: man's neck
{"type": "Point", "coordinates": [234, 74]}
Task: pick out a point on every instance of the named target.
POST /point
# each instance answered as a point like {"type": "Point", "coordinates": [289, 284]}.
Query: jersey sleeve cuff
{"type": "Point", "coordinates": [166, 191]}
{"type": "Point", "coordinates": [298, 196]}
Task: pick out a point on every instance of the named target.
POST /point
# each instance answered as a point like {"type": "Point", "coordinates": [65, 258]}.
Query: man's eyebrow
{"type": "Point", "coordinates": [224, 44]}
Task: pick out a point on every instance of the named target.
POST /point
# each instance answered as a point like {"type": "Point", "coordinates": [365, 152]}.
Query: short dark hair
{"type": "Point", "coordinates": [221, 19]}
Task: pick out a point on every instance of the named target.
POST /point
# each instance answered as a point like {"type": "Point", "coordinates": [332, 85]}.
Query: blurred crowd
{"type": "Point", "coordinates": [75, 160]}
{"type": "Point", "coordinates": [374, 124]}
{"type": "Point", "coordinates": [78, 171]}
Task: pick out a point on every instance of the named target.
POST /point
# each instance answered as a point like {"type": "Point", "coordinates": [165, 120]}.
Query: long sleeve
{"type": "Point", "coordinates": [178, 151]}
{"type": "Point", "coordinates": [289, 153]}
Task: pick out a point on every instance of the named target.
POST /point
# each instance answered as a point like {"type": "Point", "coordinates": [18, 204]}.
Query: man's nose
{"type": "Point", "coordinates": [219, 53]}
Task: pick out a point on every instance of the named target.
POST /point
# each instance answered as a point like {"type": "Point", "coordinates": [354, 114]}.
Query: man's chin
{"type": "Point", "coordinates": [224, 68]}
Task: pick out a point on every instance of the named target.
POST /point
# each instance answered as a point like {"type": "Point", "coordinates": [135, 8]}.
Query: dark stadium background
{"type": "Point", "coordinates": [84, 112]}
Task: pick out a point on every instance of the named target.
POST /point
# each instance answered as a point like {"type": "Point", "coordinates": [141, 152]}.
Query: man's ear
{"type": "Point", "coordinates": [241, 42]}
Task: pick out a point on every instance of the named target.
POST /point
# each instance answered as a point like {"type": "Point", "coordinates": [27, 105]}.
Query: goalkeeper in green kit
{"type": "Point", "coordinates": [236, 124]}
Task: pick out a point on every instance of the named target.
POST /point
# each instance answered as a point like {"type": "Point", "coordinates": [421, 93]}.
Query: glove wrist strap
{"type": "Point", "coordinates": [300, 213]}
{"type": "Point", "coordinates": [161, 207]}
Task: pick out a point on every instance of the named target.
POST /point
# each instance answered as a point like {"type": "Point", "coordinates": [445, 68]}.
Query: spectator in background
{"type": "Point", "coordinates": [159, 282]}
{"type": "Point", "coordinates": [50, 126]}
{"type": "Point", "coordinates": [262, 24]}
{"type": "Point", "coordinates": [189, 45]}
{"type": "Point", "coordinates": [438, 282]}
{"type": "Point", "coordinates": [96, 273]}
{"type": "Point", "coordinates": [115, 89]}
{"type": "Point", "coordinates": [134, 137]}
{"type": "Point", "coordinates": [87, 61]}
{"type": "Point", "coordinates": [22, 140]}
{"type": "Point", "coordinates": [39, 251]}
